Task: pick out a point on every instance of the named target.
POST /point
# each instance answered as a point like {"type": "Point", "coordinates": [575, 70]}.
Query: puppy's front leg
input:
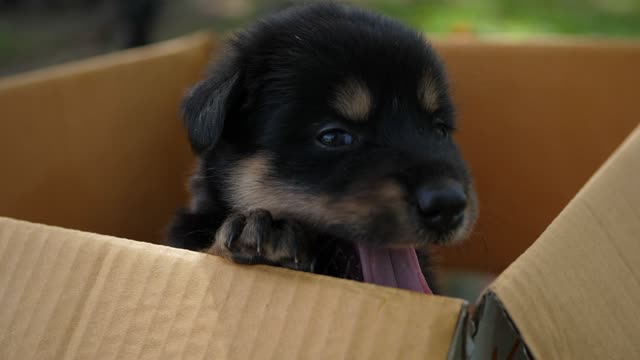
{"type": "Point", "coordinates": [256, 238]}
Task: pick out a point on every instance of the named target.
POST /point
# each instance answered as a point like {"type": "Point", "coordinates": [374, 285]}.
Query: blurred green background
{"type": "Point", "coordinates": [521, 18]}
{"type": "Point", "coordinates": [36, 33]}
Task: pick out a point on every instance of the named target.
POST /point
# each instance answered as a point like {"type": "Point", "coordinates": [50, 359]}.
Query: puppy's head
{"type": "Point", "coordinates": [338, 118]}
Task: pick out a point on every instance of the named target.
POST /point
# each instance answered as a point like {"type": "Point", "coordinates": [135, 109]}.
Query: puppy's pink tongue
{"type": "Point", "coordinates": [397, 268]}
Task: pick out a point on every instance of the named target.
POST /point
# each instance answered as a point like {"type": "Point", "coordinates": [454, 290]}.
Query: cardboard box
{"type": "Point", "coordinates": [97, 146]}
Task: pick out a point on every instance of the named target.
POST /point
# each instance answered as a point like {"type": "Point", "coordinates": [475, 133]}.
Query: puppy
{"type": "Point", "coordinates": [324, 143]}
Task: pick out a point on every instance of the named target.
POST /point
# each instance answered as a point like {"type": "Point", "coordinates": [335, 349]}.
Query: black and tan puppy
{"type": "Point", "coordinates": [324, 139]}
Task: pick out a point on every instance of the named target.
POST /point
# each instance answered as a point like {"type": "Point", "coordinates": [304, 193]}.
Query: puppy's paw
{"type": "Point", "coordinates": [255, 238]}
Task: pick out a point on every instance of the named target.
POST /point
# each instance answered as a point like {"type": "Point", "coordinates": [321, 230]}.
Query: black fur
{"type": "Point", "coordinates": [269, 97]}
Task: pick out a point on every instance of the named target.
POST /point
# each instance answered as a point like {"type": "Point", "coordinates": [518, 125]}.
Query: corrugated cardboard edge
{"type": "Point", "coordinates": [118, 58]}
{"type": "Point", "coordinates": [70, 294]}
{"type": "Point", "coordinates": [541, 42]}
{"type": "Point", "coordinates": [574, 293]}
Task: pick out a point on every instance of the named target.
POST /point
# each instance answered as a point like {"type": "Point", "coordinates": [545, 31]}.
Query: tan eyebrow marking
{"type": "Point", "coordinates": [429, 92]}
{"type": "Point", "coordinates": [353, 100]}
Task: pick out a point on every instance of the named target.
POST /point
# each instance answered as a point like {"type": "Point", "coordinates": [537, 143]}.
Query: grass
{"type": "Point", "coordinates": [528, 18]}
{"type": "Point", "coordinates": [28, 41]}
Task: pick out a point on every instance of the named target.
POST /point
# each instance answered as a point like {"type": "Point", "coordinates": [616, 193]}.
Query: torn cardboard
{"type": "Point", "coordinates": [105, 127]}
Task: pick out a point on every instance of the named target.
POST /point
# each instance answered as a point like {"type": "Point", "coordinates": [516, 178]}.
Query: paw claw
{"type": "Point", "coordinates": [255, 238]}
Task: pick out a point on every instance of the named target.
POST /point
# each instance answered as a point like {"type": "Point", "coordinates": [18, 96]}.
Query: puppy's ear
{"type": "Point", "coordinates": [209, 104]}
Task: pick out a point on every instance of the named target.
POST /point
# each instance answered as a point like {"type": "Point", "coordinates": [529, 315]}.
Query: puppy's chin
{"type": "Point", "coordinates": [428, 237]}
{"type": "Point", "coordinates": [389, 229]}
{"type": "Point", "coordinates": [456, 235]}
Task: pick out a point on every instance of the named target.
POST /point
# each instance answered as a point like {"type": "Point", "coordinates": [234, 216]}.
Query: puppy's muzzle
{"type": "Point", "coordinates": [442, 205]}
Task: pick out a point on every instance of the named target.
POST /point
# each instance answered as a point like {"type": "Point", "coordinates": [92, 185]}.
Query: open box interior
{"type": "Point", "coordinates": [98, 146]}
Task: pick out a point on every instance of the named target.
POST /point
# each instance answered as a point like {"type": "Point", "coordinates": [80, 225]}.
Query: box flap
{"type": "Point", "coordinates": [574, 293]}
{"type": "Point", "coordinates": [69, 294]}
{"type": "Point", "coordinates": [537, 119]}
{"type": "Point", "coordinates": [100, 139]}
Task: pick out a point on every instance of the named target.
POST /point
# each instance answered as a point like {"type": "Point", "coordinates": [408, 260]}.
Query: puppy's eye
{"type": "Point", "coordinates": [335, 138]}
{"type": "Point", "coordinates": [442, 130]}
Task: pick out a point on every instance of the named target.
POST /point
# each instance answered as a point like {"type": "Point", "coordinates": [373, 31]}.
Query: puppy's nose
{"type": "Point", "coordinates": [442, 206]}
